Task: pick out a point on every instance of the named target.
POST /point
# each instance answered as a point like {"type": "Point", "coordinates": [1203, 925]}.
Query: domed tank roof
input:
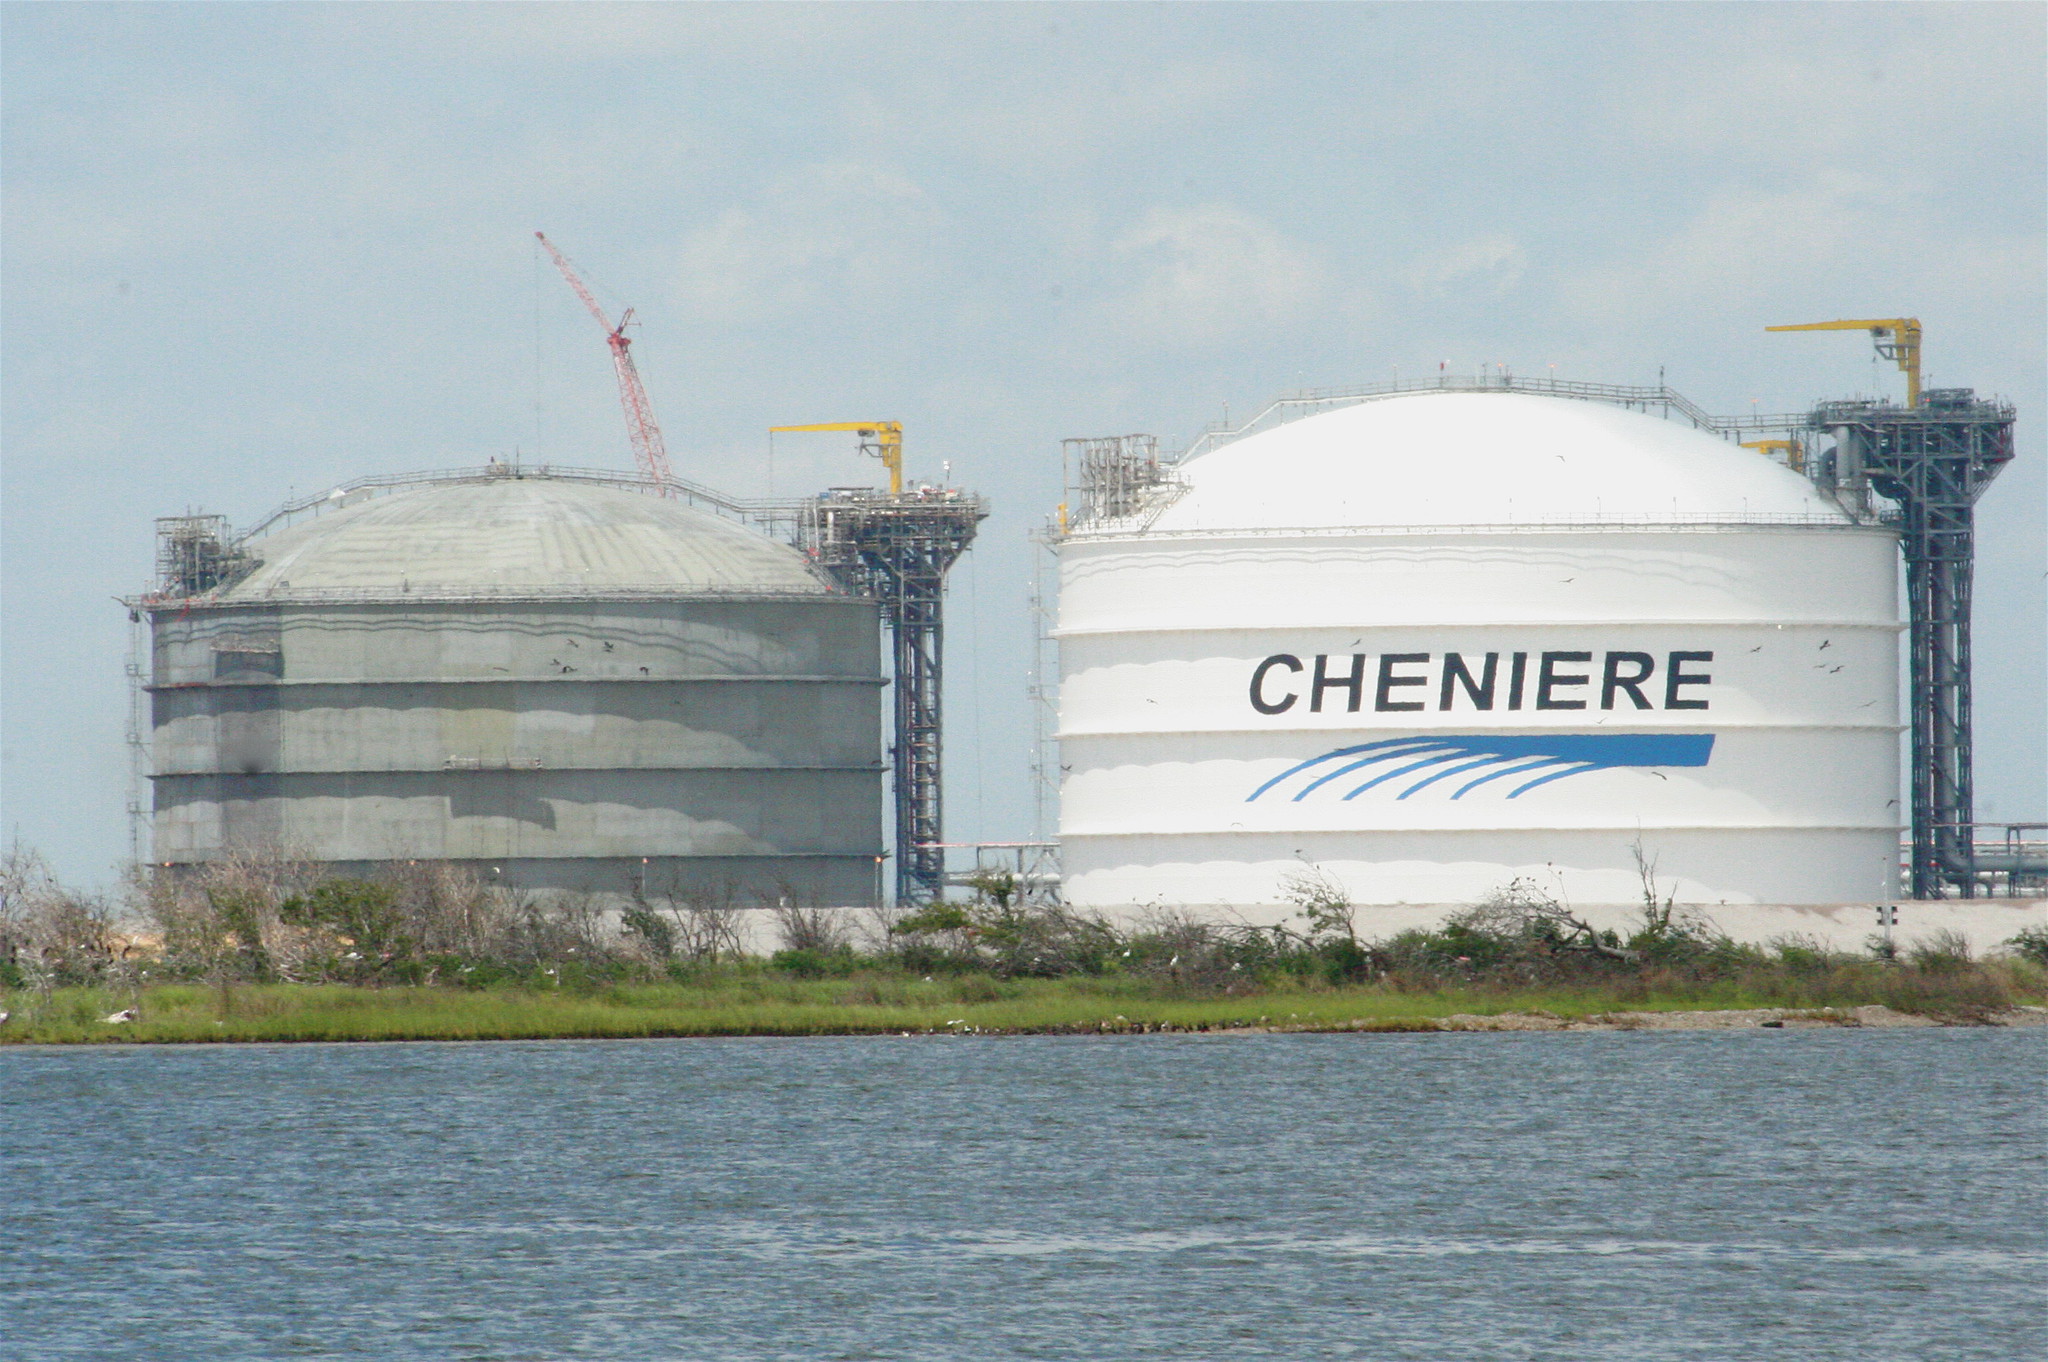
{"type": "Point", "coordinates": [521, 535]}
{"type": "Point", "coordinates": [1437, 459]}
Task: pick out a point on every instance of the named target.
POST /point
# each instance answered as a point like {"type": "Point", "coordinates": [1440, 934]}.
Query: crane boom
{"type": "Point", "coordinates": [649, 452]}
{"type": "Point", "coordinates": [883, 439]}
{"type": "Point", "coordinates": [1897, 338]}
{"type": "Point", "coordinates": [1794, 451]}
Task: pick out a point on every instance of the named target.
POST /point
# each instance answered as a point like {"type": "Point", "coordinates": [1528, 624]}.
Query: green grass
{"type": "Point", "coordinates": [750, 1001]}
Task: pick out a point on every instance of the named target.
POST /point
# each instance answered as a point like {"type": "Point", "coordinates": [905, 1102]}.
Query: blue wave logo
{"type": "Point", "coordinates": [1555, 756]}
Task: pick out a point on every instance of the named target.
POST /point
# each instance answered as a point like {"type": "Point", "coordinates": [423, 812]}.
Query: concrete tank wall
{"type": "Point", "coordinates": [719, 744]}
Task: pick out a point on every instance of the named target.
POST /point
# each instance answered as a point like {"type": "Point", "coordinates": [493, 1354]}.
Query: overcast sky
{"type": "Point", "coordinates": [255, 250]}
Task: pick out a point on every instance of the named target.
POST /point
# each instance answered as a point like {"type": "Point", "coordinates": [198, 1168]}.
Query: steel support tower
{"type": "Point", "coordinates": [897, 548]}
{"type": "Point", "coordinates": [1933, 461]}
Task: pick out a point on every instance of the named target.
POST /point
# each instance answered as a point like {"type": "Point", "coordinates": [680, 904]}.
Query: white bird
{"type": "Point", "coordinates": [126, 1014]}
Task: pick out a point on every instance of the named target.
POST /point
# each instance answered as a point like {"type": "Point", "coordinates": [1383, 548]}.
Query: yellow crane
{"type": "Point", "coordinates": [883, 439]}
{"type": "Point", "coordinates": [1793, 450]}
{"type": "Point", "coordinates": [1897, 338]}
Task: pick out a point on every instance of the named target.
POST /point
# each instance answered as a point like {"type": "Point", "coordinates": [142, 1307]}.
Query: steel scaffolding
{"type": "Point", "coordinates": [1114, 474]}
{"type": "Point", "coordinates": [898, 549]}
{"type": "Point", "coordinates": [195, 554]}
{"type": "Point", "coordinates": [1933, 461]}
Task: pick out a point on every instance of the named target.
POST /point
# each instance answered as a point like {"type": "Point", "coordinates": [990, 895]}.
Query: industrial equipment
{"type": "Point", "coordinates": [1932, 458]}
{"type": "Point", "coordinates": [1897, 339]}
{"type": "Point", "coordinates": [897, 547]}
{"type": "Point", "coordinates": [648, 450]}
{"type": "Point", "coordinates": [1792, 452]}
{"type": "Point", "coordinates": [878, 439]}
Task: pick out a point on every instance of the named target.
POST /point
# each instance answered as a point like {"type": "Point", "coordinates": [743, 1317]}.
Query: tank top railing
{"type": "Point", "coordinates": [1614, 521]}
{"type": "Point", "coordinates": [773, 515]}
{"type": "Point", "coordinates": [1661, 398]}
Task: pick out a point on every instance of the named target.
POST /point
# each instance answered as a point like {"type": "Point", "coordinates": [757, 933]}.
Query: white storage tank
{"type": "Point", "coordinates": [1434, 642]}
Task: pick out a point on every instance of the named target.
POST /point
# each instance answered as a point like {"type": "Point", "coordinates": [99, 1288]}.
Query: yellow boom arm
{"type": "Point", "coordinates": [883, 439]}
{"type": "Point", "coordinates": [1898, 340]}
{"type": "Point", "coordinates": [1794, 452]}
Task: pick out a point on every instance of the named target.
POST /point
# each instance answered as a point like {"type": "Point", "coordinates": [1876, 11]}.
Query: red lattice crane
{"type": "Point", "coordinates": [648, 450]}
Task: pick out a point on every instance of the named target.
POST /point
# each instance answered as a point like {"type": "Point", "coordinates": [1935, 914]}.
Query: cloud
{"type": "Point", "coordinates": [1848, 245]}
{"type": "Point", "coordinates": [554, 35]}
{"type": "Point", "coordinates": [1851, 242]}
{"type": "Point", "coordinates": [1207, 273]}
{"type": "Point", "coordinates": [839, 234]}
{"type": "Point", "coordinates": [1494, 260]}
{"type": "Point", "coordinates": [1802, 86]}
{"type": "Point", "coordinates": [1743, 243]}
{"type": "Point", "coordinates": [1029, 121]}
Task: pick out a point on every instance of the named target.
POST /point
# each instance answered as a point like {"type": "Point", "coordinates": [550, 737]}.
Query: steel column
{"type": "Point", "coordinates": [898, 550]}
{"type": "Point", "coordinates": [1934, 461]}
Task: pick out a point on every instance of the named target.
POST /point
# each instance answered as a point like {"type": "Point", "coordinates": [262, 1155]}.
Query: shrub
{"type": "Point", "coordinates": [998, 934]}
{"type": "Point", "coordinates": [50, 935]}
{"type": "Point", "coordinates": [1518, 933]}
{"type": "Point", "coordinates": [807, 928]}
{"type": "Point", "coordinates": [1961, 994]}
{"type": "Point", "coordinates": [1041, 942]}
{"type": "Point", "coordinates": [817, 962]}
{"type": "Point", "coordinates": [2030, 943]}
{"type": "Point", "coordinates": [1192, 955]}
{"type": "Point", "coordinates": [1329, 948]}
{"type": "Point", "coordinates": [655, 932]}
{"type": "Point", "coordinates": [1803, 954]}
{"type": "Point", "coordinates": [362, 912]}
{"type": "Point", "coordinates": [1322, 902]}
{"type": "Point", "coordinates": [257, 917]}
{"type": "Point", "coordinates": [1942, 952]}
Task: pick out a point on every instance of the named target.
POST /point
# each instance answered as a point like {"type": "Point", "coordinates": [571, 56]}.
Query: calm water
{"type": "Point", "coordinates": [1758, 1195]}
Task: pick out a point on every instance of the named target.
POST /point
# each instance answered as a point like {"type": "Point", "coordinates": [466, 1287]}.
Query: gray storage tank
{"type": "Point", "coordinates": [564, 684]}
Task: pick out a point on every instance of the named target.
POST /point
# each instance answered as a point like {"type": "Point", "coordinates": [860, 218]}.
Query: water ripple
{"type": "Point", "coordinates": [1647, 1198]}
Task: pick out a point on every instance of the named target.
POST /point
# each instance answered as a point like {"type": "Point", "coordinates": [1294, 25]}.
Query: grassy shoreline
{"type": "Point", "coordinates": [262, 949]}
{"type": "Point", "coordinates": [763, 1003]}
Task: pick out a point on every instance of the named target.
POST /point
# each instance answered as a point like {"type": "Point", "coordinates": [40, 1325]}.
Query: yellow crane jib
{"type": "Point", "coordinates": [883, 439]}
{"type": "Point", "coordinates": [1897, 338]}
{"type": "Point", "coordinates": [1793, 451]}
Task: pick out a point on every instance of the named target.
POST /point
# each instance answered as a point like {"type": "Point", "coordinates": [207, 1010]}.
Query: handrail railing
{"type": "Point", "coordinates": [2020, 854]}
{"type": "Point", "coordinates": [1638, 397]}
{"type": "Point", "coordinates": [771, 513]}
{"type": "Point", "coordinates": [1703, 522]}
